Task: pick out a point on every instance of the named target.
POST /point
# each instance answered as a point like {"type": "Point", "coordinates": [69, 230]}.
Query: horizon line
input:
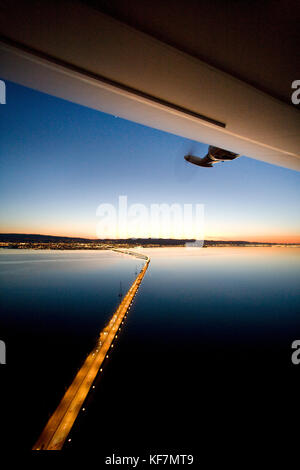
{"type": "Point", "coordinates": [146, 238]}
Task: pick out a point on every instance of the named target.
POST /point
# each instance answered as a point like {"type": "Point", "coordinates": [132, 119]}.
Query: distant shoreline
{"type": "Point", "coordinates": [156, 246]}
{"type": "Point", "coordinates": [36, 245]}
{"type": "Point", "coordinates": [52, 242]}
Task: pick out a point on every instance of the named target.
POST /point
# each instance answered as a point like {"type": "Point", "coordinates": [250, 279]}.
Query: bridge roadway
{"type": "Point", "coordinates": [60, 423]}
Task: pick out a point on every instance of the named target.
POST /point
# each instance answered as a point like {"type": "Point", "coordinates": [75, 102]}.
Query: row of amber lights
{"type": "Point", "coordinates": [60, 423]}
{"type": "Point", "coordinates": [135, 286]}
{"type": "Point", "coordinates": [111, 346]}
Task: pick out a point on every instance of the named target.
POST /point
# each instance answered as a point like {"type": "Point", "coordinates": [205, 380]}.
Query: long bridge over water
{"type": "Point", "coordinates": [60, 423]}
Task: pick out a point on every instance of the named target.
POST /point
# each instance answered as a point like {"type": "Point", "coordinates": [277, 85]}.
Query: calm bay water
{"type": "Point", "coordinates": [207, 343]}
{"type": "Point", "coordinates": [54, 304]}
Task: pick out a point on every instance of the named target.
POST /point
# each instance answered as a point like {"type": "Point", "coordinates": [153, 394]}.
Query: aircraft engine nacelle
{"type": "Point", "coordinates": [214, 155]}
